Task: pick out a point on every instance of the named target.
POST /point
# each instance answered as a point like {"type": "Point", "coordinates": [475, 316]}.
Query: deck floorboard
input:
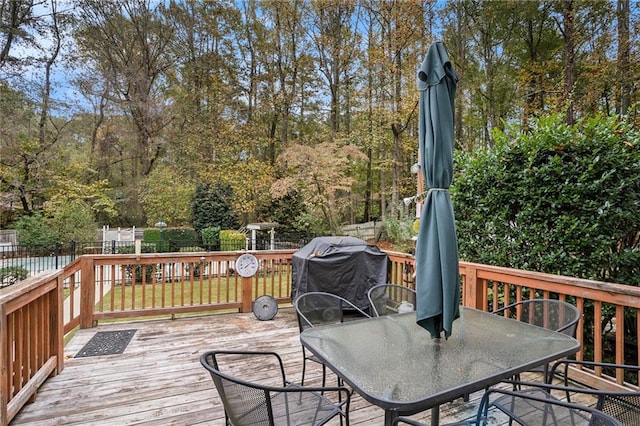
{"type": "Point", "coordinates": [158, 379]}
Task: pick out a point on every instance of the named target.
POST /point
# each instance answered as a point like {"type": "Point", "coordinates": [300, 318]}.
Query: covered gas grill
{"type": "Point", "coordinates": [345, 266]}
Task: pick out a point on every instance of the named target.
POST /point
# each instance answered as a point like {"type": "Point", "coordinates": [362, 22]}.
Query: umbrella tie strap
{"type": "Point", "coordinates": [422, 196]}
{"type": "Point", "coordinates": [436, 189]}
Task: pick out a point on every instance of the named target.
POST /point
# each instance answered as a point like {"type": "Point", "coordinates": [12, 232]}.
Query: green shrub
{"type": "Point", "coordinates": [563, 199]}
{"type": "Point", "coordinates": [35, 231]}
{"type": "Point", "coordinates": [151, 234]}
{"type": "Point", "coordinates": [191, 249]}
{"type": "Point", "coordinates": [180, 237]}
{"type": "Point", "coordinates": [170, 239]}
{"type": "Point", "coordinates": [211, 237]}
{"type": "Point", "coordinates": [74, 221]}
{"type": "Point", "coordinates": [400, 231]}
{"type": "Point", "coordinates": [10, 275]}
{"type": "Point", "coordinates": [232, 240]}
{"type": "Point", "coordinates": [71, 221]}
{"type": "Point", "coordinates": [212, 206]}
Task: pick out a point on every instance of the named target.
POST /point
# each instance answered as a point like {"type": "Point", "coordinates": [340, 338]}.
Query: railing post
{"type": "Point", "coordinates": [56, 251]}
{"type": "Point", "coordinates": [57, 320]}
{"type": "Point", "coordinates": [4, 365]}
{"type": "Point", "coordinates": [471, 290]}
{"type": "Point", "coordinates": [247, 288]}
{"type": "Point", "coordinates": [87, 293]}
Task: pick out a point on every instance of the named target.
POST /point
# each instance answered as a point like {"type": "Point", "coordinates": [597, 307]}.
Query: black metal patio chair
{"type": "Point", "coordinates": [398, 421]}
{"type": "Point", "coordinates": [385, 299]}
{"type": "Point", "coordinates": [270, 399]}
{"type": "Point", "coordinates": [537, 407]}
{"type": "Point", "coordinates": [619, 402]}
{"type": "Point", "coordinates": [551, 314]}
{"type": "Point", "coordinates": [320, 308]}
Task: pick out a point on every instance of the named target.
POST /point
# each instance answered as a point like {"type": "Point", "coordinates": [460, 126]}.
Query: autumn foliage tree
{"type": "Point", "coordinates": [321, 172]}
{"type": "Point", "coordinates": [148, 98]}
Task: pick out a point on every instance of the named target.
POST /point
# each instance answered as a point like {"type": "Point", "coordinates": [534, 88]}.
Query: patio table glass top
{"type": "Point", "coordinates": [395, 364]}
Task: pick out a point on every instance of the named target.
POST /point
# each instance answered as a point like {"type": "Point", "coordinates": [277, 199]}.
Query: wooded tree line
{"type": "Point", "coordinates": [307, 108]}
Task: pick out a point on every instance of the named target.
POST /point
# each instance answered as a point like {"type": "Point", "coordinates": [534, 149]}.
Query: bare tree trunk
{"type": "Point", "coordinates": [287, 27]}
{"type": "Point", "coordinates": [252, 95]}
{"type": "Point", "coordinates": [624, 53]}
{"type": "Point", "coordinates": [13, 14]}
{"type": "Point", "coordinates": [461, 51]}
{"type": "Point", "coordinates": [569, 57]}
{"type": "Point", "coordinates": [129, 41]}
{"type": "Point", "coordinates": [369, 183]}
{"type": "Point", "coordinates": [46, 91]}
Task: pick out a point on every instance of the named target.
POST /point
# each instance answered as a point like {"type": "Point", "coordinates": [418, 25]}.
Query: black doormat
{"type": "Point", "coordinates": [107, 343]}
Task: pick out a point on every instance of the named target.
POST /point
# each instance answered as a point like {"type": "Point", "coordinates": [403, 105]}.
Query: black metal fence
{"type": "Point", "coordinates": [17, 260]}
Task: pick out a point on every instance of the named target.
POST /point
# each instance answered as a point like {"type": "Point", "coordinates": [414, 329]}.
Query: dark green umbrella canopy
{"type": "Point", "coordinates": [437, 276]}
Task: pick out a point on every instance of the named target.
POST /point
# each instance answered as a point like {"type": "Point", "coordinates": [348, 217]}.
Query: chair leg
{"type": "Point", "coordinates": [324, 375]}
{"type": "Point", "coordinates": [516, 386]}
{"type": "Point", "coordinates": [304, 369]}
{"type": "Point", "coordinates": [339, 397]}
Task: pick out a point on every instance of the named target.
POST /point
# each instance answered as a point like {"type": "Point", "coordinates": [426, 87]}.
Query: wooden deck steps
{"type": "Point", "coordinates": [158, 380]}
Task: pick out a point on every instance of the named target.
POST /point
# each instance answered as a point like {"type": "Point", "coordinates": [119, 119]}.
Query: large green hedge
{"type": "Point", "coordinates": [562, 199]}
{"type": "Point", "coordinates": [171, 239]}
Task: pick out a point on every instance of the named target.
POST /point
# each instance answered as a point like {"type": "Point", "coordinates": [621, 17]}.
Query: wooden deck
{"type": "Point", "coordinates": [158, 380]}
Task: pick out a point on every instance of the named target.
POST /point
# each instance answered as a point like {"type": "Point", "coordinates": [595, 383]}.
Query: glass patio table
{"type": "Point", "coordinates": [395, 364]}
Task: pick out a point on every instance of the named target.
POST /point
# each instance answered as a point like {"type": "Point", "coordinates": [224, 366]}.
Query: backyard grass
{"type": "Point", "coordinates": [219, 289]}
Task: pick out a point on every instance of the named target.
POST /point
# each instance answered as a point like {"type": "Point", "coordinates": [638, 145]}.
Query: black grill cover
{"type": "Point", "coordinates": [345, 266]}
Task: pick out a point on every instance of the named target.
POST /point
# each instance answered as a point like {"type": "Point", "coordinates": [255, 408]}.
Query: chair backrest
{"type": "Point", "coordinates": [269, 400]}
{"type": "Point", "coordinates": [625, 408]}
{"type": "Point", "coordinates": [622, 403]}
{"type": "Point", "coordinates": [547, 313]}
{"type": "Point", "coordinates": [385, 299]}
{"type": "Point", "coordinates": [244, 402]}
{"type": "Point", "coordinates": [320, 308]}
{"type": "Point", "coordinates": [537, 407]}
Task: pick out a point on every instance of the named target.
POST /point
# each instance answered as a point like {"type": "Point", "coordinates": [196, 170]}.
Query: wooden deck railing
{"type": "Point", "coordinates": [31, 339]}
{"type": "Point", "coordinates": [607, 310]}
{"type": "Point", "coordinates": [126, 286]}
{"type": "Point", "coordinates": [99, 287]}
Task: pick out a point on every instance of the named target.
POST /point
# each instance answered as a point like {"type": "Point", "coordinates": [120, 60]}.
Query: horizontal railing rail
{"type": "Point", "coordinates": [100, 287]}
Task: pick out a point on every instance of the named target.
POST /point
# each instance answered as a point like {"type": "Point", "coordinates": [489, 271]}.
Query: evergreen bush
{"type": "Point", "coordinates": [562, 199]}
{"type": "Point", "coordinates": [180, 237]}
{"type": "Point", "coordinates": [35, 231]}
{"type": "Point", "coordinates": [212, 206]}
{"type": "Point", "coordinates": [211, 237]}
{"type": "Point", "coordinates": [232, 240]}
{"type": "Point", "coordinates": [10, 275]}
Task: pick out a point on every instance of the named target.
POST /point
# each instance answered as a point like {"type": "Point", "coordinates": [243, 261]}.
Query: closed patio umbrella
{"type": "Point", "coordinates": [437, 276]}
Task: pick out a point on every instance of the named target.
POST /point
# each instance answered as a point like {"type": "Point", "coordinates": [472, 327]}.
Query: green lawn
{"type": "Point", "coordinates": [186, 293]}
